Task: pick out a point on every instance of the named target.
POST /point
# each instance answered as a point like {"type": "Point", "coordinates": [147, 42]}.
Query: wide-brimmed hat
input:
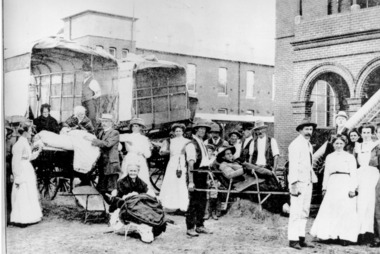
{"type": "Point", "coordinates": [202, 123]}
{"type": "Point", "coordinates": [138, 121]}
{"type": "Point", "coordinates": [178, 125]}
{"type": "Point", "coordinates": [86, 67]}
{"type": "Point", "coordinates": [221, 154]}
{"type": "Point", "coordinates": [306, 122]}
{"type": "Point", "coordinates": [16, 119]}
{"type": "Point", "coordinates": [342, 114]}
{"type": "Point", "coordinates": [215, 128]}
{"type": "Point", "coordinates": [105, 117]}
{"type": "Point", "coordinates": [7, 126]}
{"type": "Point", "coordinates": [247, 126]}
{"type": "Point", "coordinates": [234, 132]}
{"type": "Point", "coordinates": [259, 125]}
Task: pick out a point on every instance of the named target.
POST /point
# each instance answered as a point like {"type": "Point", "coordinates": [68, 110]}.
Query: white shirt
{"type": "Point", "coordinates": [261, 147]}
{"type": "Point", "coordinates": [94, 86]}
{"type": "Point", "coordinates": [191, 152]}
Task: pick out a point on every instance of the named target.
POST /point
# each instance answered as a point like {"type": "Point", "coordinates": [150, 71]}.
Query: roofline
{"type": "Point", "coordinates": [100, 13]}
{"type": "Point", "coordinates": [205, 57]}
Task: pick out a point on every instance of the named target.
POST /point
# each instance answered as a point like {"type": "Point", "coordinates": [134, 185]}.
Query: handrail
{"type": "Point", "coordinates": [363, 111]}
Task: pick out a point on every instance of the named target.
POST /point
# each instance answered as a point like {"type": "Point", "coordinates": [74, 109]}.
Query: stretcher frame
{"type": "Point", "coordinates": [229, 191]}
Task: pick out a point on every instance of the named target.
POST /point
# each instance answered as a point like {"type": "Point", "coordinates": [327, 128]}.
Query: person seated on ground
{"type": "Point", "coordinates": [45, 121]}
{"type": "Point", "coordinates": [79, 120]}
{"type": "Point", "coordinates": [129, 185]}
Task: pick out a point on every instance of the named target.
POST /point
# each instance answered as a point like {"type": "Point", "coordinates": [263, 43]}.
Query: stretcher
{"type": "Point", "coordinates": [262, 196]}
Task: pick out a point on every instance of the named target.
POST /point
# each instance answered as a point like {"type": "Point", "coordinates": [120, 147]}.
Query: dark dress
{"type": "Point", "coordinates": [46, 124]}
{"type": "Point", "coordinates": [85, 124]}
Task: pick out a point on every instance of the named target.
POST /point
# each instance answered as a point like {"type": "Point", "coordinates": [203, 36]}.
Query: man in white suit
{"type": "Point", "coordinates": [301, 178]}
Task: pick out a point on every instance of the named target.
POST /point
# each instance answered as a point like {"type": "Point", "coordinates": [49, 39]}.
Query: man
{"type": "Point", "coordinates": [265, 149]}
{"type": "Point", "coordinates": [215, 138]}
{"type": "Point", "coordinates": [197, 158]}
{"type": "Point", "coordinates": [301, 178]}
{"type": "Point", "coordinates": [109, 164]}
{"type": "Point", "coordinates": [90, 93]}
{"type": "Point", "coordinates": [79, 121]}
{"type": "Point", "coordinates": [246, 143]}
{"type": "Point", "coordinates": [234, 140]}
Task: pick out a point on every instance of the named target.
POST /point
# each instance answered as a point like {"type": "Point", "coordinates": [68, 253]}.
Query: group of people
{"type": "Point", "coordinates": [350, 209]}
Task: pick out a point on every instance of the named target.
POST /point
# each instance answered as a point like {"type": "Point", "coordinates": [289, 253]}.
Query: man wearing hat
{"type": "Point", "coordinates": [109, 164]}
{"type": "Point", "coordinates": [234, 137]}
{"type": "Point", "coordinates": [90, 93]}
{"type": "Point", "coordinates": [197, 158]}
{"type": "Point", "coordinates": [215, 138]}
{"type": "Point", "coordinates": [301, 178]}
{"type": "Point", "coordinates": [246, 142]}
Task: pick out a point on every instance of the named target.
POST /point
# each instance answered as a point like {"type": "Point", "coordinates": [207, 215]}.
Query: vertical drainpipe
{"type": "Point", "coordinates": [239, 87]}
{"type": "Point", "coordinates": [70, 28]}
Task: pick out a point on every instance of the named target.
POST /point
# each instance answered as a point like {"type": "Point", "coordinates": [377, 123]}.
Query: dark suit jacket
{"type": "Point", "coordinates": [108, 143]}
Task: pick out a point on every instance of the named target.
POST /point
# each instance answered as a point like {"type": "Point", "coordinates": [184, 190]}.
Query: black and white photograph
{"type": "Point", "coordinates": [190, 126]}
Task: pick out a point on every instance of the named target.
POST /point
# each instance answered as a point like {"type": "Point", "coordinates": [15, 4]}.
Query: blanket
{"type": "Point", "coordinates": [85, 154]}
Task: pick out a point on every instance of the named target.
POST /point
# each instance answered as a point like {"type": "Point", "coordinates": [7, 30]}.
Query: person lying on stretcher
{"type": "Point", "coordinates": [243, 172]}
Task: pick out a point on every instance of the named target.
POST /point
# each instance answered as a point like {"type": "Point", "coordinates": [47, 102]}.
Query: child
{"type": "Point", "coordinates": [213, 198]}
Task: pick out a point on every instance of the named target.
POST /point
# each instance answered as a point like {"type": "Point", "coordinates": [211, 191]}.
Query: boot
{"type": "Point", "coordinates": [213, 215]}
{"type": "Point", "coordinates": [303, 244]}
{"type": "Point", "coordinates": [295, 245]}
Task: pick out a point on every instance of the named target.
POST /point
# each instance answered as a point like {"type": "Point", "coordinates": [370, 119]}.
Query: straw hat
{"type": "Point", "coordinates": [342, 114]}
{"type": "Point", "coordinates": [259, 125]}
{"type": "Point", "coordinates": [306, 122]}
{"type": "Point", "coordinates": [138, 121]}
{"type": "Point", "coordinates": [106, 117]}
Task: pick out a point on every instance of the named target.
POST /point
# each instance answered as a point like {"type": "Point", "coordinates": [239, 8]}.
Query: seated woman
{"type": "Point", "coordinates": [129, 185]}
{"type": "Point", "coordinates": [45, 121]}
{"type": "Point", "coordinates": [79, 121]}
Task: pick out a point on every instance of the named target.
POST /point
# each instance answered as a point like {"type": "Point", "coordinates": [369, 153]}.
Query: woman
{"type": "Point", "coordinates": [337, 217]}
{"type": "Point", "coordinates": [367, 180]}
{"type": "Point", "coordinates": [139, 149]}
{"type": "Point", "coordinates": [353, 137]}
{"type": "Point", "coordinates": [174, 194]}
{"type": "Point", "coordinates": [79, 120]}
{"type": "Point", "coordinates": [45, 121]}
{"type": "Point", "coordinates": [26, 208]}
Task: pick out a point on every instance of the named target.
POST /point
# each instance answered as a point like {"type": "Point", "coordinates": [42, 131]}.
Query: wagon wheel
{"type": "Point", "coordinates": [48, 185]}
{"type": "Point", "coordinates": [156, 177]}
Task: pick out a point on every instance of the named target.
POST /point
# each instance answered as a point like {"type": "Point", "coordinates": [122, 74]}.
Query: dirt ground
{"type": "Point", "coordinates": [242, 230]}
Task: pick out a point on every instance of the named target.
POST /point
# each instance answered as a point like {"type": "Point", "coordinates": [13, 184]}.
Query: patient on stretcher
{"type": "Point", "coordinates": [243, 173]}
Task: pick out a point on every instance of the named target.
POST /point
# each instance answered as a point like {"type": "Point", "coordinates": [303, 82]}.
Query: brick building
{"type": "Point", "coordinates": [222, 86]}
{"type": "Point", "coordinates": [327, 59]}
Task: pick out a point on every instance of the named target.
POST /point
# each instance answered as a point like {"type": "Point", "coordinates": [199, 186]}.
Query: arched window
{"type": "Point", "coordinates": [112, 51]}
{"type": "Point", "coordinates": [124, 53]}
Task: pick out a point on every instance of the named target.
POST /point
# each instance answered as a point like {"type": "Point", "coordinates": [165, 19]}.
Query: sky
{"type": "Point", "coordinates": [230, 29]}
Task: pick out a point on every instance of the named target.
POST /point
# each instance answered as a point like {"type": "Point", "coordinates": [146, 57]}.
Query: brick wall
{"type": "Point", "coordinates": [345, 43]}
{"type": "Point", "coordinates": [207, 82]}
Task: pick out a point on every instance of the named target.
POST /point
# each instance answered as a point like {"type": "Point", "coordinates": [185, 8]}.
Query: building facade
{"type": "Point", "coordinates": [222, 86]}
{"type": "Point", "coordinates": [327, 60]}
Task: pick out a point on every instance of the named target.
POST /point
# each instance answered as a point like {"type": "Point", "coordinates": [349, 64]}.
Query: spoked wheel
{"type": "Point", "coordinates": [48, 187]}
{"type": "Point", "coordinates": [156, 177]}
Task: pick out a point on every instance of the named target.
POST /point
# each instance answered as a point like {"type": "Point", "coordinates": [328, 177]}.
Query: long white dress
{"type": "Point", "coordinates": [26, 207]}
{"type": "Point", "coordinates": [138, 152]}
{"type": "Point", "coordinates": [337, 216]}
{"type": "Point", "coordinates": [174, 194]}
{"type": "Point", "coordinates": [367, 180]}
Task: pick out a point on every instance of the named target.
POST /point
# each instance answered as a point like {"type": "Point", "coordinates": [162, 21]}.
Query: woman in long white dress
{"type": "Point", "coordinates": [367, 180]}
{"type": "Point", "coordinates": [139, 149]}
{"type": "Point", "coordinates": [174, 194]}
{"type": "Point", "coordinates": [26, 207]}
{"type": "Point", "coordinates": [337, 217]}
